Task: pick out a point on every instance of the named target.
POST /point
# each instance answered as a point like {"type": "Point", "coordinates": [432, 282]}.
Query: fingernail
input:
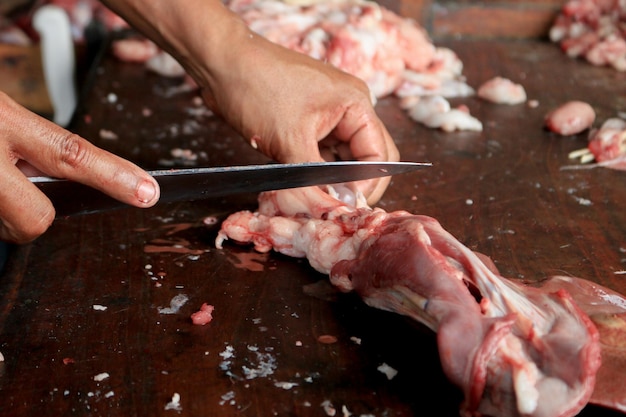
{"type": "Point", "coordinates": [146, 192]}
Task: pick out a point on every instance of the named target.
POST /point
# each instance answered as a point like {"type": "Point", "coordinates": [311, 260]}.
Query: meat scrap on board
{"type": "Point", "coordinates": [570, 118]}
{"type": "Point", "coordinates": [527, 351]}
{"type": "Point", "coordinates": [502, 91]}
{"type": "Point", "coordinates": [435, 112]}
{"type": "Point", "coordinates": [607, 146]}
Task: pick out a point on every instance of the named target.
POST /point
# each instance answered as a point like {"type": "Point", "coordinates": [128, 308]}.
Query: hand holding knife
{"type": "Point", "coordinates": [72, 198]}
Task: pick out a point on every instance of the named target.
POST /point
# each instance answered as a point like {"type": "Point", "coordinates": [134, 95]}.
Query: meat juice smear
{"type": "Point", "coordinates": [514, 349]}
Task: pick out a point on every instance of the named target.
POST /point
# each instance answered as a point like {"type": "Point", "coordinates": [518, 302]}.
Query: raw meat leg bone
{"type": "Point", "coordinates": [514, 350]}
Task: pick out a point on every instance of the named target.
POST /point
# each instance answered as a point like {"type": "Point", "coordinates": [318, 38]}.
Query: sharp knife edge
{"type": "Point", "coordinates": [72, 198]}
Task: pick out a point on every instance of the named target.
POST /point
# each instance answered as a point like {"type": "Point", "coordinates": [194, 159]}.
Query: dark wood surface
{"type": "Point", "coordinates": [501, 192]}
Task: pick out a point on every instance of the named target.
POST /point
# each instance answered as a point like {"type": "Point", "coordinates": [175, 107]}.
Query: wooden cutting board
{"type": "Point", "coordinates": [501, 192]}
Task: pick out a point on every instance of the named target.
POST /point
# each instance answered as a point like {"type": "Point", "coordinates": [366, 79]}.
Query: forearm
{"type": "Point", "coordinates": [203, 35]}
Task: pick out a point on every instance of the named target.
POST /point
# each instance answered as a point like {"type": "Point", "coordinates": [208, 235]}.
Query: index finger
{"type": "Point", "coordinates": [75, 158]}
{"type": "Point", "coordinates": [59, 153]}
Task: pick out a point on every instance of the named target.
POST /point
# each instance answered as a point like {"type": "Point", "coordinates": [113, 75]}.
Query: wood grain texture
{"type": "Point", "coordinates": [501, 192]}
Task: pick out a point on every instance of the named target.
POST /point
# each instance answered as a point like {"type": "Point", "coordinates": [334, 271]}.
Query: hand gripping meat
{"type": "Point", "coordinates": [514, 350]}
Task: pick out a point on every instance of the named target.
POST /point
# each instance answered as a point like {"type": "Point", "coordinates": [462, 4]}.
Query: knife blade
{"type": "Point", "coordinates": [73, 198]}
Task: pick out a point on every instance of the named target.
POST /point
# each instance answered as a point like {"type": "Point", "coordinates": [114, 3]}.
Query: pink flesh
{"type": "Point", "coordinates": [570, 118]}
{"type": "Point", "coordinates": [607, 310]}
{"type": "Point", "coordinates": [409, 264]}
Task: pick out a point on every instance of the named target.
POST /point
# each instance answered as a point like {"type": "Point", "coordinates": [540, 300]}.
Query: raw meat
{"type": "Point", "coordinates": [525, 351]}
{"type": "Point", "coordinates": [443, 77]}
{"type": "Point", "coordinates": [593, 30]}
{"type": "Point", "coordinates": [570, 118]}
{"type": "Point", "coordinates": [392, 54]}
{"type": "Point", "coordinates": [502, 91]}
{"type": "Point", "coordinates": [204, 315]}
{"type": "Point", "coordinates": [359, 37]}
{"type": "Point", "coordinates": [607, 146]}
{"type": "Point", "coordinates": [435, 112]}
{"type": "Point", "coordinates": [607, 309]}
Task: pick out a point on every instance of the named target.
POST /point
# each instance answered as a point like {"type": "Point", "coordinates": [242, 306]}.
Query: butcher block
{"type": "Point", "coordinates": [95, 314]}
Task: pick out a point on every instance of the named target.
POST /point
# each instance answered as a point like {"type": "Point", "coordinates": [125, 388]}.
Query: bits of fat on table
{"type": "Point", "coordinates": [501, 90]}
{"type": "Point", "coordinates": [570, 118]}
{"type": "Point", "coordinates": [389, 372]}
{"type": "Point", "coordinates": [174, 403]}
{"type": "Point", "coordinates": [436, 112]}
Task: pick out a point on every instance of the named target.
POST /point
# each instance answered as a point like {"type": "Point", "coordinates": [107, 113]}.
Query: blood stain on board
{"type": "Point", "coordinates": [250, 261]}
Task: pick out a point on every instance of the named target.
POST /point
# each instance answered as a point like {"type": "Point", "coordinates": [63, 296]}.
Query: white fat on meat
{"type": "Point", "coordinates": [435, 112]}
{"type": "Point", "coordinates": [285, 224]}
{"type": "Point", "coordinates": [526, 351]}
{"type": "Point", "coordinates": [390, 53]}
{"type": "Point", "coordinates": [608, 144]}
{"type": "Point", "coordinates": [502, 91]}
{"type": "Point", "coordinates": [444, 77]}
{"type": "Point", "coordinates": [359, 37]}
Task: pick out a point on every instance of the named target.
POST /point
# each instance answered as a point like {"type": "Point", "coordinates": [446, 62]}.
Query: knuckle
{"type": "Point", "coordinates": [73, 149]}
{"type": "Point", "coordinates": [361, 86]}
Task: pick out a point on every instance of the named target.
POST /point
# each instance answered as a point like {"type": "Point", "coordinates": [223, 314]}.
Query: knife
{"type": "Point", "coordinates": [72, 198]}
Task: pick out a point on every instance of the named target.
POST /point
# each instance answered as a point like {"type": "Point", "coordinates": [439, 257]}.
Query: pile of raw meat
{"type": "Point", "coordinates": [392, 54]}
{"type": "Point", "coordinates": [514, 350]}
{"type": "Point", "coordinates": [594, 30]}
{"type": "Point", "coordinates": [362, 38]}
